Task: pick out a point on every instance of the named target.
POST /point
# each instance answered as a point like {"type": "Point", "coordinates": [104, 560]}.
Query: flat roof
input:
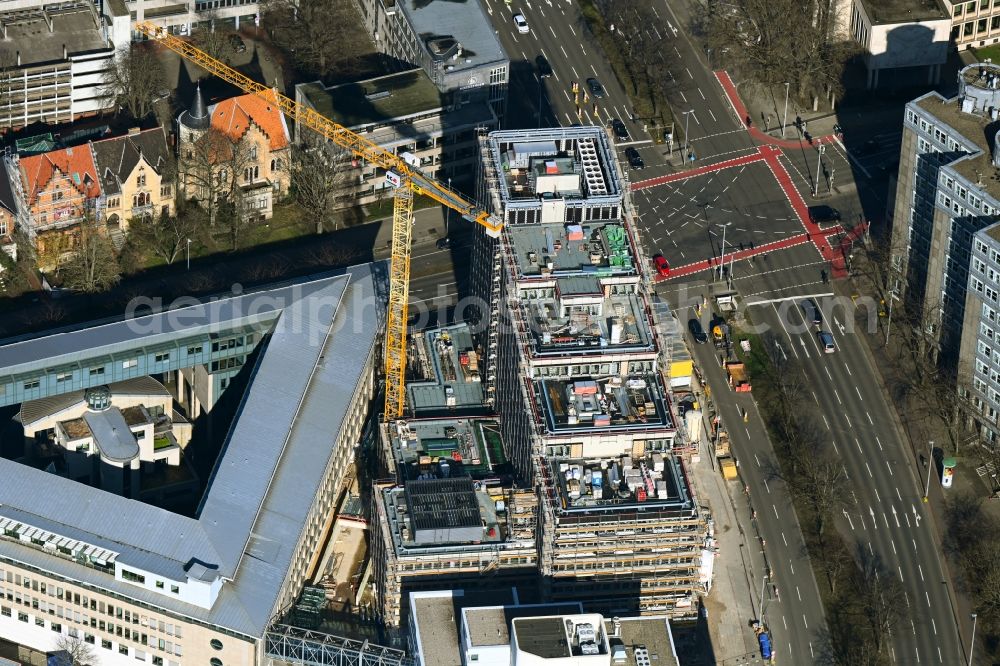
{"type": "Point", "coordinates": [448, 386]}
{"type": "Point", "coordinates": [972, 126]}
{"type": "Point", "coordinates": [435, 616]}
{"type": "Point", "coordinates": [474, 442]}
{"type": "Point", "coordinates": [590, 250]}
{"type": "Point", "coordinates": [904, 11]}
{"type": "Point", "coordinates": [556, 328]}
{"type": "Point", "coordinates": [272, 466]}
{"type": "Point", "coordinates": [375, 100]}
{"type": "Point", "coordinates": [544, 637]}
{"type": "Point", "coordinates": [520, 158]}
{"type": "Point", "coordinates": [490, 625]}
{"type": "Point", "coordinates": [653, 480]}
{"type": "Point", "coordinates": [463, 21]}
{"type": "Point", "coordinates": [647, 640]}
{"type": "Point", "coordinates": [603, 403]}
{"type": "Point", "coordinates": [457, 516]}
{"type": "Point", "coordinates": [77, 28]}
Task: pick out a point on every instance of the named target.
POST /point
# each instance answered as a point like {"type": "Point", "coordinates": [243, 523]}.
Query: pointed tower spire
{"type": "Point", "coordinates": [196, 117]}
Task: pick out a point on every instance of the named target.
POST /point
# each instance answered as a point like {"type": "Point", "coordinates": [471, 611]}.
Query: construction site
{"type": "Point", "coordinates": [575, 370]}
{"type": "Point", "coordinates": [451, 515]}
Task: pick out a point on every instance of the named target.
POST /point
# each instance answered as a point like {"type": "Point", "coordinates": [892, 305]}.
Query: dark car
{"type": "Point", "coordinates": [542, 63]}
{"type": "Point", "coordinates": [820, 214]}
{"type": "Point", "coordinates": [596, 89]}
{"type": "Point", "coordinates": [811, 312]}
{"type": "Point", "coordinates": [634, 158]}
{"type": "Point", "coordinates": [620, 130]}
{"type": "Point", "coordinates": [443, 243]}
{"type": "Point", "coordinates": [237, 43]}
{"type": "Point", "coordinates": [697, 332]}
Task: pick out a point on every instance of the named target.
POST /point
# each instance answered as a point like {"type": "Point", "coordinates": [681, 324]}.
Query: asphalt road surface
{"type": "Point", "coordinates": [887, 516]}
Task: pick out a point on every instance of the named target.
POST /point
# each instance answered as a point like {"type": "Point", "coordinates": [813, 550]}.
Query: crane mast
{"type": "Point", "coordinates": [407, 180]}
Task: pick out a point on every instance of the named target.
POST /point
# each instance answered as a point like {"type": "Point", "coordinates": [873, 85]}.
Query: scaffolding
{"type": "Point", "coordinates": [301, 646]}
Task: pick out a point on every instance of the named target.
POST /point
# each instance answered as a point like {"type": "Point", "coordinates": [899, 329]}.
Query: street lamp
{"type": "Point", "coordinates": [785, 121]}
{"type": "Point", "coordinates": [687, 140]}
{"type": "Point", "coordinates": [819, 164]}
{"type": "Point", "coordinates": [972, 644]}
{"type": "Point", "coordinates": [930, 466]}
{"type": "Point", "coordinates": [188, 254]}
{"type": "Point", "coordinates": [540, 86]}
{"type": "Point", "coordinates": [722, 259]}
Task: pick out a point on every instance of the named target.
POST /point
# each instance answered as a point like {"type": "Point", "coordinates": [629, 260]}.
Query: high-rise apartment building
{"type": "Point", "coordinates": [979, 360]}
{"type": "Point", "coordinates": [573, 369]}
{"type": "Point", "coordinates": [947, 191]}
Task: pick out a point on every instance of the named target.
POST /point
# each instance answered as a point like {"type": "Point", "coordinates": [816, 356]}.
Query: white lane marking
{"type": "Point", "coordinates": [701, 93]}
{"type": "Point", "coordinates": [685, 69]}
{"type": "Point", "coordinates": [848, 368]}
{"type": "Point", "coordinates": [553, 32]}
{"type": "Point", "coordinates": [714, 120]}
{"type": "Point", "coordinates": [889, 467]}
{"type": "Point", "coordinates": [898, 495]}
{"type": "Point", "coordinates": [921, 570]}
{"type": "Point", "coordinates": [839, 401]}
{"type": "Point", "coordinates": [869, 418]}
{"type": "Point", "coordinates": [869, 470]}
{"type": "Point", "coordinates": [776, 512]}
{"type": "Point", "coordinates": [859, 393]}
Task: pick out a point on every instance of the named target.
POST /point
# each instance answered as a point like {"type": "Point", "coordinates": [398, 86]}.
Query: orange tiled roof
{"type": "Point", "coordinates": [233, 117]}
{"type": "Point", "coordinates": [77, 164]}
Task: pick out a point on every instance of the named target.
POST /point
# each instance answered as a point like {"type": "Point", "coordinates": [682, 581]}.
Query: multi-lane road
{"type": "Point", "coordinates": [885, 514]}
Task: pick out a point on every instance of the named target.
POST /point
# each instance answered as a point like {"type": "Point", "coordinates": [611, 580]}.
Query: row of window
{"type": "Point", "coordinates": [162, 357]}
{"type": "Point", "coordinates": [970, 7]}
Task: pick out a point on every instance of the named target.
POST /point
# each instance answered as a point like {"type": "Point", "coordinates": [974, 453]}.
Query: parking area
{"type": "Point", "coordinates": [685, 220]}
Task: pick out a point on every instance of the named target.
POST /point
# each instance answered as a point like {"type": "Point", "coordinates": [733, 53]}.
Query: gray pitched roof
{"type": "Point", "coordinates": [270, 471]}
{"type": "Point", "coordinates": [117, 157]}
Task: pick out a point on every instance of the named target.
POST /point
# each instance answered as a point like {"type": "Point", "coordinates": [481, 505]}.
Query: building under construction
{"type": "Point", "coordinates": [573, 368]}
{"type": "Point", "coordinates": [451, 514]}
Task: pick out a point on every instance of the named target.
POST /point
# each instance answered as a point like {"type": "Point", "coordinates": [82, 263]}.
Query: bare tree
{"type": "Point", "coordinates": [76, 652]}
{"type": "Point", "coordinates": [93, 267]}
{"type": "Point", "coordinates": [213, 40]}
{"type": "Point", "coordinates": [133, 80]}
{"type": "Point", "coordinates": [166, 236]}
{"type": "Point", "coordinates": [881, 598]}
{"type": "Point", "coordinates": [213, 168]}
{"type": "Point", "coordinates": [774, 41]}
{"type": "Point", "coordinates": [316, 33]}
{"type": "Point", "coordinates": [319, 171]}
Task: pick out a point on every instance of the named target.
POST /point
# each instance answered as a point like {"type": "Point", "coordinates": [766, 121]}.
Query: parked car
{"type": "Point", "coordinates": [443, 243]}
{"type": "Point", "coordinates": [826, 342]}
{"type": "Point", "coordinates": [820, 214]}
{"type": "Point", "coordinates": [521, 23]}
{"type": "Point", "coordinates": [811, 312]}
{"type": "Point", "coordinates": [542, 63]}
{"type": "Point", "coordinates": [619, 128]}
{"type": "Point", "coordinates": [661, 266]}
{"type": "Point", "coordinates": [697, 332]}
{"type": "Point", "coordinates": [634, 158]}
{"type": "Point", "coordinates": [237, 43]}
{"type": "Point", "coordinates": [596, 89]}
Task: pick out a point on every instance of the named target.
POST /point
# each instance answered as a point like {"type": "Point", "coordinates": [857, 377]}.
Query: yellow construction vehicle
{"type": "Point", "coordinates": [404, 176]}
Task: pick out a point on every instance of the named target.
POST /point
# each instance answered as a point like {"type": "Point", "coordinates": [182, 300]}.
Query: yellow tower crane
{"type": "Point", "coordinates": [406, 178]}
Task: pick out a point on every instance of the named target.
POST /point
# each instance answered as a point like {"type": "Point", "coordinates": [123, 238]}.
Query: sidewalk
{"type": "Point", "coordinates": [732, 602]}
{"type": "Point", "coordinates": [762, 113]}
